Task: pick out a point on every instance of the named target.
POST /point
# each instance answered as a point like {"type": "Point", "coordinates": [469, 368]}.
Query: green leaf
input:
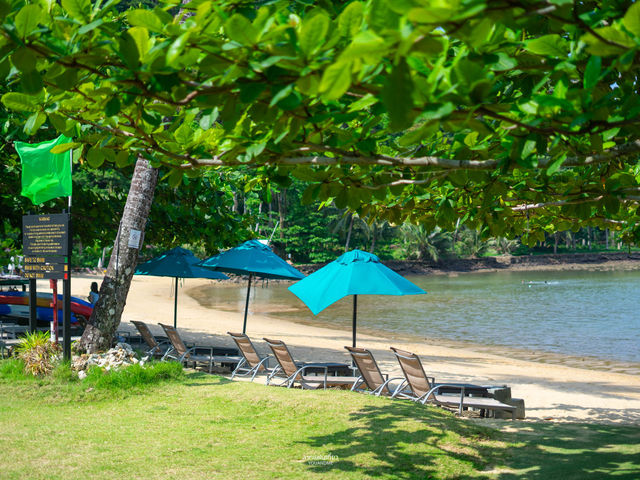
{"type": "Point", "coordinates": [239, 29]}
{"type": "Point", "coordinates": [145, 18]}
{"type": "Point", "coordinates": [415, 136]}
{"type": "Point", "coordinates": [19, 102]}
{"type": "Point", "coordinates": [34, 122]}
{"type": "Point", "coordinates": [67, 79]}
{"type": "Point", "coordinates": [27, 19]}
{"type": "Point", "coordinates": [58, 122]}
{"type": "Point", "coordinates": [140, 35]}
{"type": "Point", "coordinates": [95, 157]}
{"type": "Point", "coordinates": [112, 107]}
{"type": "Point", "coordinates": [91, 26]}
{"type": "Point", "coordinates": [350, 20]}
{"type": "Point", "coordinates": [64, 147]}
{"type": "Point", "coordinates": [128, 51]}
{"type": "Point", "coordinates": [209, 119]}
{"type": "Point", "coordinates": [249, 92]}
{"type": "Point", "coordinates": [336, 80]}
{"type": "Point", "coordinates": [24, 60]}
{"type": "Point", "coordinates": [549, 45]}
{"type": "Point", "coordinates": [342, 198]}
{"type": "Point", "coordinates": [435, 111]}
{"type": "Point", "coordinates": [308, 85]}
{"type": "Point", "coordinates": [365, 45]}
{"type": "Point", "coordinates": [631, 19]}
{"type": "Point", "coordinates": [611, 204]}
{"type": "Point", "coordinates": [282, 93]}
{"type": "Point", "coordinates": [363, 103]}
{"type": "Point", "coordinates": [313, 33]}
{"type": "Point", "coordinates": [397, 96]}
{"type": "Point", "coordinates": [592, 72]}
{"type": "Point", "coordinates": [381, 17]}
{"type": "Point", "coordinates": [503, 62]}
{"type": "Point", "coordinates": [122, 159]}
{"type": "Point", "coordinates": [256, 149]}
{"type": "Point", "coordinates": [5, 8]}
{"type": "Point", "coordinates": [78, 9]}
{"type": "Point", "coordinates": [555, 165]}
{"type": "Point", "coordinates": [176, 48]}
{"type": "Point", "coordinates": [31, 82]}
{"type": "Point", "coordinates": [597, 47]}
{"type": "Point", "coordinates": [183, 134]}
{"type": "Point", "coordinates": [175, 178]}
{"type": "Point", "coordinates": [428, 46]}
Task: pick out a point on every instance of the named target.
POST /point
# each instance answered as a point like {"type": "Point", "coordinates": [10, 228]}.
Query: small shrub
{"type": "Point", "coordinates": [40, 356]}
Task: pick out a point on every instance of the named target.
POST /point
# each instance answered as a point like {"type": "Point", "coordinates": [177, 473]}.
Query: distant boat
{"type": "Point", "coordinates": [16, 305]}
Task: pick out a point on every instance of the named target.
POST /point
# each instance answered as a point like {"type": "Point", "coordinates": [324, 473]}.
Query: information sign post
{"type": "Point", "coordinates": [47, 247]}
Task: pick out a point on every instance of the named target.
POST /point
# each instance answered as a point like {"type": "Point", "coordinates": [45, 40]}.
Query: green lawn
{"type": "Point", "coordinates": [201, 426]}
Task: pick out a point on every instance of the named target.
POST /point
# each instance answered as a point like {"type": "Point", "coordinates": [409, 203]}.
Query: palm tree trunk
{"type": "Point", "coordinates": [346, 245]}
{"type": "Point", "coordinates": [101, 327]}
{"type": "Point", "coordinates": [373, 238]}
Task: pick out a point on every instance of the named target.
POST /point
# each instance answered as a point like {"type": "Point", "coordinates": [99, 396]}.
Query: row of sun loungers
{"type": "Point", "coordinates": [414, 385]}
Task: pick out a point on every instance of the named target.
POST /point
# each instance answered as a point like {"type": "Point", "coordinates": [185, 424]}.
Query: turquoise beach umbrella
{"type": "Point", "coordinates": [353, 273]}
{"type": "Point", "coordinates": [252, 258]}
{"type": "Point", "coordinates": [177, 263]}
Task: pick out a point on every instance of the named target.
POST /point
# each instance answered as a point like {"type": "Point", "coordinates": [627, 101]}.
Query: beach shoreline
{"type": "Point", "coordinates": [607, 261]}
{"type": "Point", "coordinates": [563, 389]}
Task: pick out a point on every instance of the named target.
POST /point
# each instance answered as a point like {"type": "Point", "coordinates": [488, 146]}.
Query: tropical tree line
{"type": "Point", "coordinates": [518, 119]}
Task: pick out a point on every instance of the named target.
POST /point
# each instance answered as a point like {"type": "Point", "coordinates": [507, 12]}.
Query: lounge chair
{"type": "Point", "coordinates": [296, 373]}
{"type": "Point", "coordinates": [374, 381]}
{"type": "Point", "coordinates": [251, 362]}
{"type": "Point", "coordinates": [196, 354]}
{"type": "Point", "coordinates": [156, 348]}
{"type": "Point", "coordinates": [453, 395]}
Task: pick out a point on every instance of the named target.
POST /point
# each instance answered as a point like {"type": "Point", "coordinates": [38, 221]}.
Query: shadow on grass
{"type": "Point", "coordinates": [574, 451]}
{"type": "Point", "coordinates": [205, 379]}
{"type": "Point", "coordinates": [384, 444]}
{"type": "Point", "coordinates": [381, 443]}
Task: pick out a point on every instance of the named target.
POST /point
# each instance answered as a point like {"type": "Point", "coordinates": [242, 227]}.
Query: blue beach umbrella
{"type": "Point", "coordinates": [177, 263]}
{"type": "Point", "coordinates": [353, 273]}
{"type": "Point", "coordinates": [252, 258]}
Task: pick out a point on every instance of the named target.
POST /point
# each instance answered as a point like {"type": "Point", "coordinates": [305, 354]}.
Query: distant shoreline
{"type": "Point", "coordinates": [505, 263]}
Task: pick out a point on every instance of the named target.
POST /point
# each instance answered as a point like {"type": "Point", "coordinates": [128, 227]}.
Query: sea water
{"type": "Point", "coordinates": [578, 313]}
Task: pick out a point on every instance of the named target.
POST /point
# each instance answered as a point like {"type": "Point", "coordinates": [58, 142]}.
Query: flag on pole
{"type": "Point", "coordinates": [45, 175]}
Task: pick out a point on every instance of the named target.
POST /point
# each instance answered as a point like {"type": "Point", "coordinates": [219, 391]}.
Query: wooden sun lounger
{"type": "Point", "coordinates": [196, 354]}
{"type": "Point", "coordinates": [251, 363]}
{"type": "Point", "coordinates": [371, 379]}
{"type": "Point", "coordinates": [296, 373]}
{"type": "Point", "coordinates": [424, 390]}
{"type": "Point", "coordinates": [157, 349]}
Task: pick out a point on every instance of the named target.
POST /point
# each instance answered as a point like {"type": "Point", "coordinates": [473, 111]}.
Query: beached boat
{"type": "Point", "coordinates": [16, 305]}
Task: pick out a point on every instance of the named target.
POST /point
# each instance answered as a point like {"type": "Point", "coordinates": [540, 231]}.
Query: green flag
{"type": "Point", "coordinates": [45, 175]}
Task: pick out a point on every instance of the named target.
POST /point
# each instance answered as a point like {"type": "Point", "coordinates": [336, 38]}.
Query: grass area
{"type": "Point", "coordinates": [197, 426]}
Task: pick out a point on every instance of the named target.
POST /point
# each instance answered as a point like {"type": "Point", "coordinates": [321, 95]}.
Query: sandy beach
{"type": "Point", "coordinates": [553, 391]}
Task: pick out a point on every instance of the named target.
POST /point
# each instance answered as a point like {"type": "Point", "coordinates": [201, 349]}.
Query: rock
{"type": "Point", "coordinates": [122, 355]}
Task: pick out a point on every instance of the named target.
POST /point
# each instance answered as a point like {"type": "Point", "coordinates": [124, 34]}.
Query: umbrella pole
{"type": "Point", "coordinates": [175, 306]}
{"type": "Point", "coordinates": [355, 311]}
{"type": "Point", "coordinates": [246, 306]}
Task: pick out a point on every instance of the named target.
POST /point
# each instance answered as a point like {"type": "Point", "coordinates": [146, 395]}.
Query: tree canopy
{"type": "Point", "coordinates": [515, 116]}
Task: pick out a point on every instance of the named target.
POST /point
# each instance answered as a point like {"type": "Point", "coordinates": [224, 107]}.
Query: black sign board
{"type": "Point", "coordinates": [46, 270]}
{"type": "Point", "coordinates": [28, 260]}
{"type": "Point", "coordinates": [45, 235]}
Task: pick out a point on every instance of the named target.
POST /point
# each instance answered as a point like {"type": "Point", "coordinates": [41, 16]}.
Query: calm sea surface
{"type": "Point", "coordinates": [593, 314]}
